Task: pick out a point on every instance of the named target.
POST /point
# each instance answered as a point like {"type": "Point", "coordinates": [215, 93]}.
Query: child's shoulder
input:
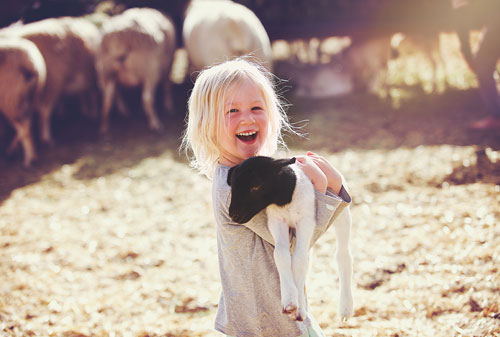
{"type": "Point", "coordinates": [220, 189]}
{"type": "Point", "coordinates": [220, 175]}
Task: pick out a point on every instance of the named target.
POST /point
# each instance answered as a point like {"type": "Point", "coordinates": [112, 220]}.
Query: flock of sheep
{"type": "Point", "coordinates": [44, 61]}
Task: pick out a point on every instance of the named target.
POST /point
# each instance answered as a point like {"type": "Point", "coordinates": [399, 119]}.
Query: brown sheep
{"type": "Point", "coordinates": [68, 46]}
{"type": "Point", "coordinates": [22, 78]}
{"type": "Point", "coordinates": [137, 50]}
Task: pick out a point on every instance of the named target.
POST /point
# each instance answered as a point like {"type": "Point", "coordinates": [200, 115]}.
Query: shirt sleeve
{"type": "Point", "coordinates": [258, 224]}
{"type": "Point", "coordinates": [328, 207]}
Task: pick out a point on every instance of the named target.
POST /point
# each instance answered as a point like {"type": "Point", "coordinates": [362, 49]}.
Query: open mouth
{"type": "Point", "coordinates": [247, 136]}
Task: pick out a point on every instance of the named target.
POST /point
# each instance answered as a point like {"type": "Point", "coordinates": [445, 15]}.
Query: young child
{"type": "Point", "coordinates": [234, 114]}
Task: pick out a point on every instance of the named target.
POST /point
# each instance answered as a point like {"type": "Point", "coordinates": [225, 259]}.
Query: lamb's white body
{"type": "Point", "coordinates": [300, 214]}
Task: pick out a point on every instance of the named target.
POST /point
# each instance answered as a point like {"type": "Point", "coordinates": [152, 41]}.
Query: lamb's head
{"type": "Point", "coordinates": [257, 183]}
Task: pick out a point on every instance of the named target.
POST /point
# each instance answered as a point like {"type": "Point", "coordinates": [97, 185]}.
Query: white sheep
{"type": "Point", "coordinates": [68, 47]}
{"type": "Point", "coordinates": [215, 31]}
{"type": "Point", "coordinates": [22, 78]}
{"type": "Point", "coordinates": [366, 59]}
{"type": "Point", "coordinates": [137, 49]}
{"type": "Point", "coordinates": [288, 197]}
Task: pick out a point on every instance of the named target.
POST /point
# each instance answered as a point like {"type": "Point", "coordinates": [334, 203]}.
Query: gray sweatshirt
{"type": "Point", "coordinates": [250, 303]}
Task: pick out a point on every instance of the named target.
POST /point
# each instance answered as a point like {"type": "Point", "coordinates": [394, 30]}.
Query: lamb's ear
{"type": "Point", "coordinates": [286, 162]}
{"type": "Point", "coordinates": [230, 174]}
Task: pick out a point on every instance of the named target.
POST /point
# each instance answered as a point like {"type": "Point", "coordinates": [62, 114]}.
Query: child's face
{"type": "Point", "coordinates": [246, 123]}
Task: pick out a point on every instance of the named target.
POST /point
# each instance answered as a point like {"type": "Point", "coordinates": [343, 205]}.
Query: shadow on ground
{"type": "Point", "coordinates": [357, 121]}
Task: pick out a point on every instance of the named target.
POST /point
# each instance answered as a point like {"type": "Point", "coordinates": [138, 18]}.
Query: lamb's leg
{"type": "Point", "coordinates": [344, 262]}
{"type": "Point", "coordinates": [283, 260]}
{"type": "Point", "coordinates": [300, 262]}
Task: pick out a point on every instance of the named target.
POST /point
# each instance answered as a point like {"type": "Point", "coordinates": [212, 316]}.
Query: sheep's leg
{"type": "Point", "coordinates": [168, 101]}
{"type": "Point", "coordinates": [344, 262]}
{"type": "Point", "coordinates": [148, 94]}
{"type": "Point", "coordinates": [283, 260]}
{"type": "Point", "coordinates": [107, 101]}
{"type": "Point", "coordinates": [89, 101]}
{"type": "Point", "coordinates": [300, 262]}
{"type": "Point", "coordinates": [14, 143]}
{"type": "Point", "coordinates": [45, 113]}
{"type": "Point", "coordinates": [23, 134]}
{"type": "Point", "coordinates": [121, 105]}
{"type": "Point", "coordinates": [485, 65]}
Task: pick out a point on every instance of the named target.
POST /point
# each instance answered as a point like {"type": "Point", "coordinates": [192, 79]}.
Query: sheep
{"type": "Point", "coordinates": [215, 31]}
{"type": "Point", "coordinates": [68, 47]}
{"type": "Point", "coordinates": [426, 42]}
{"type": "Point", "coordinates": [320, 80]}
{"type": "Point", "coordinates": [137, 49]}
{"type": "Point", "coordinates": [288, 197]}
{"type": "Point", "coordinates": [366, 59]}
{"type": "Point", "coordinates": [22, 78]}
{"type": "Point", "coordinates": [361, 66]}
{"type": "Point", "coordinates": [468, 15]}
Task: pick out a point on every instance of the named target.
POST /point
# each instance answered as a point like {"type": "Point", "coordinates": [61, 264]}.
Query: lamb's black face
{"type": "Point", "coordinates": [258, 182]}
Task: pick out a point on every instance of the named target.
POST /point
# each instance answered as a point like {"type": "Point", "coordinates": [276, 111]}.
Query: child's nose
{"type": "Point", "coordinates": [248, 116]}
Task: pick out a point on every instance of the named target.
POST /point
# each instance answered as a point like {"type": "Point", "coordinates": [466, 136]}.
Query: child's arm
{"type": "Point", "coordinates": [322, 174]}
{"type": "Point", "coordinates": [331, 194]}
{"type": "Point", "coordinates": [328, 206]}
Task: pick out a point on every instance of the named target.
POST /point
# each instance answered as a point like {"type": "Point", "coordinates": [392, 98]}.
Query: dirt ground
{"type": "Point", "coordinates": [115, 236]}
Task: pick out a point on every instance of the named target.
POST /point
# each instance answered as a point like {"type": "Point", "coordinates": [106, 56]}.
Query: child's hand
{"type": "Point", "coordinates": [313, 172]}
{"type": "Point", "coordinates": [332, 175]}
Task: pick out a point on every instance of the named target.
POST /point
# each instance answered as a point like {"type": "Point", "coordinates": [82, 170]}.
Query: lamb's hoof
{"type": "Point", "coordinates": [290, 309]}
{"type": "Point", "coordinates": [298, 318]}
{"type": "Point", "coordinates": [346, 307]}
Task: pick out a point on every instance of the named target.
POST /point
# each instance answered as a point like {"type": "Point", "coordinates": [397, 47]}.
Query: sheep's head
{"type": "Point", "coordinates": [257, 183]}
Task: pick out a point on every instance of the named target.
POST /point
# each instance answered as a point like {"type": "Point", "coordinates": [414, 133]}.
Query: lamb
{"type": "Point", "coordinates": [216, 31]}
{"type": "Point", "coordinates": [22, 78]}
{"type": "Point", "coordinates": [137, 49]}
{"type": "Point", "coordinates": [68, 47]}
{"type": "Point", "coordinates": [287, 195]}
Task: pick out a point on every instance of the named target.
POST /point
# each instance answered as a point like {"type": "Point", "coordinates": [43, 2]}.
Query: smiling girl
{"type": "Point", "coordinates": [234, 114]}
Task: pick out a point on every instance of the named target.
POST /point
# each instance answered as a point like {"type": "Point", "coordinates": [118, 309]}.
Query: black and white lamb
{"type": "Point", "coordinates": [281, 188]}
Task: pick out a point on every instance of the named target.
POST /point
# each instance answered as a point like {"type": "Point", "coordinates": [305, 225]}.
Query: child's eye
{"type": "Point", "coordinates": [232, 110]}
{"type": "Point", "coordinates": [256, 108]}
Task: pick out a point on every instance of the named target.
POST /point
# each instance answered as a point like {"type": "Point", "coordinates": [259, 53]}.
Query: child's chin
{"type": "Point", "coordinates": [251, 153]}
{"type": "Point", "coordinates": [250, 150]}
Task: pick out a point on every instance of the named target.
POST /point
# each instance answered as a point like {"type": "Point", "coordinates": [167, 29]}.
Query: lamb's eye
{"type": "Point", "coordinates": [254, 189]}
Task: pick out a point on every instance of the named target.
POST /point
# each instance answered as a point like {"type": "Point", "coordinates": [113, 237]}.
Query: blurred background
{"type": "Point", "coordinates": [105, 230]}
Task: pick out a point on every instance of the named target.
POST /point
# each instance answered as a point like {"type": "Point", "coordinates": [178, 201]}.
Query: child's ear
{"type": "Point", "coordinates": [229, 175]}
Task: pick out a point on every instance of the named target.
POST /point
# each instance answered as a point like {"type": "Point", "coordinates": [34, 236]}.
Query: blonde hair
{"type": "Point", "coordinates": [206, 112]}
